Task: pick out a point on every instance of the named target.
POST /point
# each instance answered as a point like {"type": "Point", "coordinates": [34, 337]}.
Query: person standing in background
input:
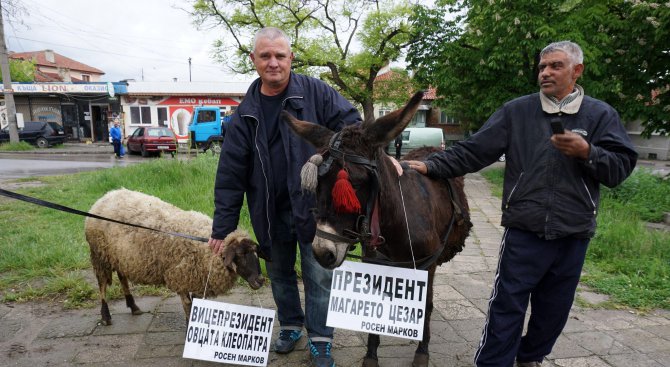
{"type": "Point", "coordinates": [398, 146]}
{"type": "Point", "coordinates": [115, 134]}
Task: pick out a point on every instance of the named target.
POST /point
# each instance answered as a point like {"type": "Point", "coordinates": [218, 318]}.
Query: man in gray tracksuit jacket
{"type": "Point", "coordinates": [550, 201]}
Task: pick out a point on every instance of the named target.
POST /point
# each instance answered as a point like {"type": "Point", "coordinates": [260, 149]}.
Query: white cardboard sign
{"type": "Point", "coordinates": [378, 299]}
{"type": "Point", "coordinates": [228, 333]}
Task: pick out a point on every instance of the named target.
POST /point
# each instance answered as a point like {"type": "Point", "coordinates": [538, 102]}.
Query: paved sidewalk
{"type": "Point", "coordinates": [44, 335]}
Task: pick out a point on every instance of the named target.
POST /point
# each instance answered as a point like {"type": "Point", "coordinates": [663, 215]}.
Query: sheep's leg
{"type": "Point", "coordinates": [186, 303]}
{"type": "Point", "coordinates": [421, 355]}
{"type": "Point", "coordinates": [104, 308]}
{"type": "Point", "coordinates": [370, 359]}
{"type": "Point", "coordinates": [130, 301]}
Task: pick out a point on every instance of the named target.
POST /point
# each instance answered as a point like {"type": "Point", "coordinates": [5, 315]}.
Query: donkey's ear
{"type": "Point", "coordinates": [316, 135]}
{"type": "Point", "coordinates": [387, 127]}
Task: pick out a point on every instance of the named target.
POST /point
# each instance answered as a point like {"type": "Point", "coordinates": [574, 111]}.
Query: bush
{"type": "Point", "coordinates": [645, 194]}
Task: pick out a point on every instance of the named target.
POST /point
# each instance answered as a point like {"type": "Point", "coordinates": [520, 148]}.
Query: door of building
{"type": "Point", "coordinates": [71, 121]}
{"type": "Point", "coordinates": [100, 122]}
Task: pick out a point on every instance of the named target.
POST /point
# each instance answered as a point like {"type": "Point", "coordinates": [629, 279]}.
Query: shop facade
{"type": "Point", "coordinates": [172, 104]}
{"type": "Point", "coordinates": [85, 110]}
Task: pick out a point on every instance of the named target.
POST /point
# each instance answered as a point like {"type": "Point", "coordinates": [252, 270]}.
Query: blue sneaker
{"type": "Point", "coordinates": [321, 354]}
{"type": "Point", "coordinates": [287, 340]}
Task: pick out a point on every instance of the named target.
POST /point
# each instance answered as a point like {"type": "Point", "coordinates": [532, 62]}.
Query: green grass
{"type": "Point", "coordinates": [14, 147]}
{"type": "Point", "coordinates": [625, 260]}
{"type": "Point", "coordinates": [43, 251]}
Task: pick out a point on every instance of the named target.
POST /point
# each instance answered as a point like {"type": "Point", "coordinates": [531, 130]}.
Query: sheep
{"type": "Point", "coordinates": [148, 257]}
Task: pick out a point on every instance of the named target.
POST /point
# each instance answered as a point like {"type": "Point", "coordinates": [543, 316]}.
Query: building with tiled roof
{"type": "Point", "coordinates": [428, 115]}
{"type": "Point", "coordinates": [51, 66]}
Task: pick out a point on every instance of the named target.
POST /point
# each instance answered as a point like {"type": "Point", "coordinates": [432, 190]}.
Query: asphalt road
{"type": "Point", "coordinates": [14, 167]}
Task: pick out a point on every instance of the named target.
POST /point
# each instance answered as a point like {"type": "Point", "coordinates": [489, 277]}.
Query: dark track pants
{"type": "Point", "coordinates": [547, 272]}
{"type": "Point", "coordinates": [117, 147]}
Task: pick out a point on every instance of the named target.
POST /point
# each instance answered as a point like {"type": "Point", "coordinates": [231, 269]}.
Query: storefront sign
{"type": "Point", "coordinates": [62, 88]}
{"type": "Point", "coordinates": [378, 299]}
{"type": "Point", "coordinates": [199, 101]}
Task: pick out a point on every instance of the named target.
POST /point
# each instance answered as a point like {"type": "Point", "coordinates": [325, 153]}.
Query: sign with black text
{"type": "Point", "coordinates": [228, 333]}
{"type": "Point", "coordinates": [378, 299]}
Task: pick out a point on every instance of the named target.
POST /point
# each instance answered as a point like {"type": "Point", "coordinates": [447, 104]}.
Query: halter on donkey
{"type": "Point", "coordinates": [406, 215]}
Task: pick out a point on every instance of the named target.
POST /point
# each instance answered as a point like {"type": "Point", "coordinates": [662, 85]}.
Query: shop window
{"type": "Point", "coordinates": [140, 115]}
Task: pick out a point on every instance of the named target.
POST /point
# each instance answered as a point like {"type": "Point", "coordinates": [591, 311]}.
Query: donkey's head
{"type": "Point", "coordinates": [345, 179]}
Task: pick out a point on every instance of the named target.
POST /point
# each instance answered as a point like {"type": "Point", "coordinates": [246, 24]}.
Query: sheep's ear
{"type": "Point", "coordinates": [228, 256]}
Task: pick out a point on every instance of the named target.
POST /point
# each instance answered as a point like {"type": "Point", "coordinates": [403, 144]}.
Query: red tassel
{"type": "Point", "coordinates": [344, 196]}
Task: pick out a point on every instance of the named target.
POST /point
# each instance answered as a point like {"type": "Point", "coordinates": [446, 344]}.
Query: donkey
{"type": "Point", "coordinates": [365, 196]}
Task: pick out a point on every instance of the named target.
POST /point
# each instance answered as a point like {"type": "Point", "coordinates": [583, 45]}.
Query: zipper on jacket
{"type": "Point", "coordinates": [595, 212]}
{"type": "Point", "coordinates": [509, 198]}
{"type": "Point", "coordinates": [267, 182]}
{"type": "Point", "coordinates": [283, 103]}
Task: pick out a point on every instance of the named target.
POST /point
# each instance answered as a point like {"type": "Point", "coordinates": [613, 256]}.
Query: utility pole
{"type": "Point", "coordinates": [189, 69]}
{"type": "Point", "coordinates": [7, 84]}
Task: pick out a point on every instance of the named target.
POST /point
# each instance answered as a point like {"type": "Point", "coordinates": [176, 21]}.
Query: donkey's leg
{"type": "Point", "coordinates": [421, 354]}
{"type": "Point", "coordinates": [130, 301]}
{"type": "Point", "coordinates": [370, 359]}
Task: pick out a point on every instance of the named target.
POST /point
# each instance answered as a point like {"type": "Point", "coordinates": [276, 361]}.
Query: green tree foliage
{"type": "Point", "coordinates": [482, 53]}
{"type": "Point", "coordinates": [344, 42]}
{"type": "Point", "coordinates": [21, 71]}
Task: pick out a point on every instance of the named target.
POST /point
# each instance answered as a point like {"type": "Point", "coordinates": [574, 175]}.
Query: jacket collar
{"type": "Point", "coordinates": [294, 96]}
{"type": "Point", "coordinates": [570, 104]}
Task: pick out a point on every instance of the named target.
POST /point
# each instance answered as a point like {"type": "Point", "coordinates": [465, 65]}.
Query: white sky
{"type": "Point", "coordinates": [146, 40]}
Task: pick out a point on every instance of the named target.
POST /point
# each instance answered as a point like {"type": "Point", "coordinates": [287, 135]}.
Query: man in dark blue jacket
{"type": "Point", "coordinates": [550, 201]}
{"type": "Point", "coordinates": [263, 158]}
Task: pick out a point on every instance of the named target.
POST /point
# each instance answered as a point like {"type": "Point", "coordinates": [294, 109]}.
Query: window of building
{"type": "Point", "coordinates": [448, 120]}
{"type": "Point", "coordinates": [162, 116]}
{"type": "Point", "coordinates": [140, 115]}
{"type": "Point", "coordinates": [418, 120]}
{"type": "Point", "coordinates": [86, 78]}
{"type": "Point", "coordinates": [383, 111]}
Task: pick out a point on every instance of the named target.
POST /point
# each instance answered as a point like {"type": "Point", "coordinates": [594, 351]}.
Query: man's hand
{"type": "Point", "coordinates": [571, 144]}
{"type": "Point", "coordinates": [418, 166]}
{"type": "Point", "coordinates": [215, 245]}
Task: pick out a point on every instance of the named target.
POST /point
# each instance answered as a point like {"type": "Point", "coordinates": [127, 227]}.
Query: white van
{"type": "Point", "coordinates": [417, 137]}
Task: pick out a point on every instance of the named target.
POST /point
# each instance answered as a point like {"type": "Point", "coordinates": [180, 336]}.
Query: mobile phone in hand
{"type": "Point", "coordinates": [557, 126]}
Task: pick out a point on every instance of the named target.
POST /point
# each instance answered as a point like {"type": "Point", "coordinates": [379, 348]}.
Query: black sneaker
{"type": "Point", "coordinates": [321, 354]}
{"type": "Point", "coordinates": [287, 340]}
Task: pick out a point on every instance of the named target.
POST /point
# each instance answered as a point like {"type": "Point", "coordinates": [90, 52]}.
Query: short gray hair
{"type": "Point", "coordinates": [572, 49]}
{"type": "Point", "coordinates": [271, 33]}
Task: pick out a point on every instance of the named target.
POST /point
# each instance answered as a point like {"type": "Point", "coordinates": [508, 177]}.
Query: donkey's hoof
{"type": "Point", "coordinates": [105, 322]}
{"type": "Point", "coordinates": [138, 312]}
{"type": "Point", "coordinates": [370, 362]}
{"type": "Point", "coordinates": [420, 360]}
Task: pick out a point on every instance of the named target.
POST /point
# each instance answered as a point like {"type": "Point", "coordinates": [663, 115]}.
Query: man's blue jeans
{"type": "Point", "coordinates": [284, 281]}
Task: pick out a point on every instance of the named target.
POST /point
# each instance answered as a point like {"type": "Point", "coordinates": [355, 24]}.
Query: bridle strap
{"type": "Point", "coordinates": [425, 262]}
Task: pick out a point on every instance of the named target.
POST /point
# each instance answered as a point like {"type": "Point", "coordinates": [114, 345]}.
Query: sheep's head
{"type": "Point", "coordinates": [240, 256]}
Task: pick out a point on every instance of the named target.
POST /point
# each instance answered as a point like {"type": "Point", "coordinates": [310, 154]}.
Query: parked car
{"type": "Point", "coordinates": [417, 137]}
{"type": "Point", "coordinates": [40, 133]}
{"type": "Point", "coordinates": [152, 140]}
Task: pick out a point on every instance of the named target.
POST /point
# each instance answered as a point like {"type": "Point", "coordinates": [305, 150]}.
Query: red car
{"type": "Point", "coordinates": [152, 140]}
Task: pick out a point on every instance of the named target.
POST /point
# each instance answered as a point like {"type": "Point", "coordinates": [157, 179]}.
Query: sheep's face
{"type": "Point", "coordinates": [241, 257]}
